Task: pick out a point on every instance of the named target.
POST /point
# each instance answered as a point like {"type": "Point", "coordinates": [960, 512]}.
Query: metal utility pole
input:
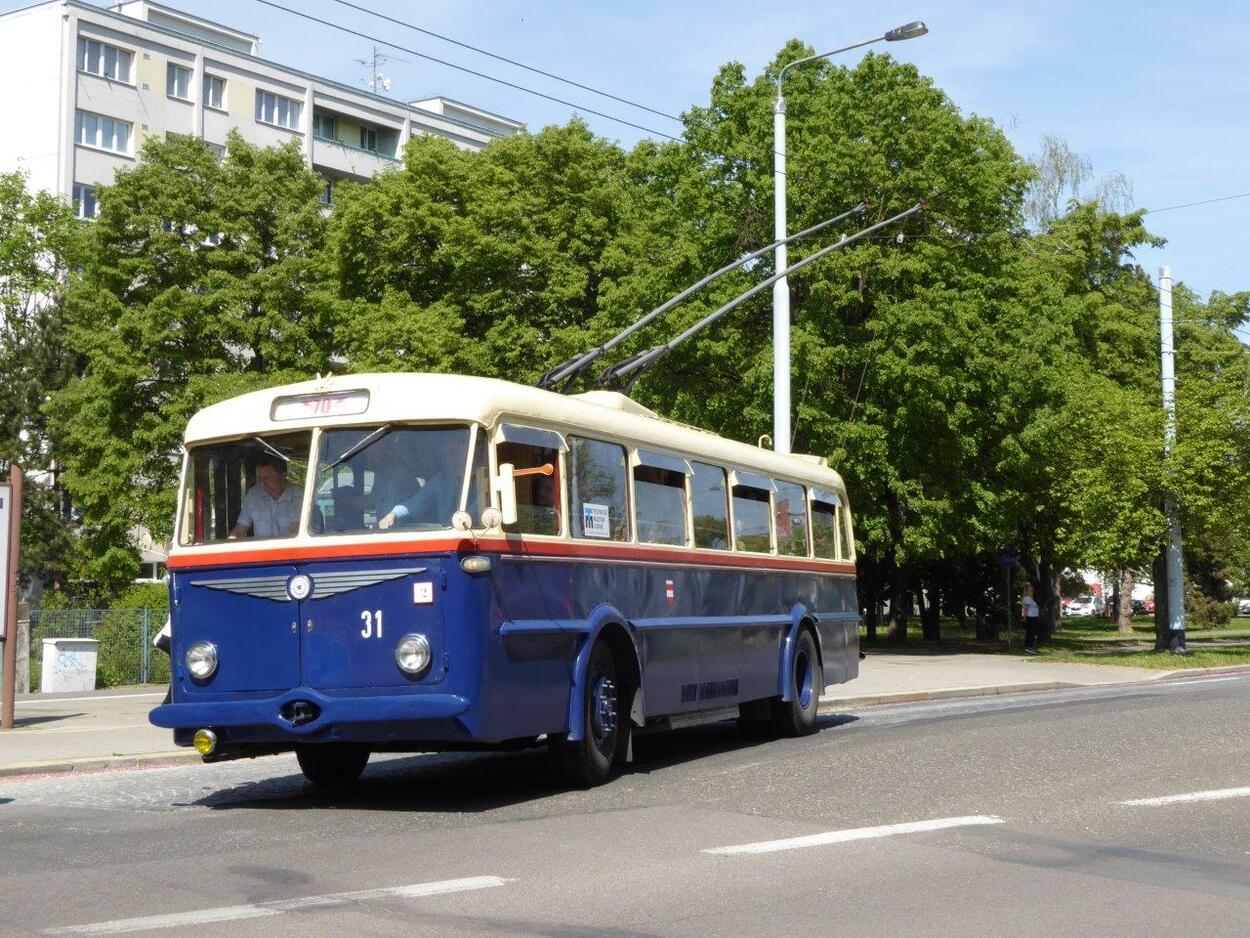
{"type": "Point", "coordinates": [1175, 576]}
{"type": "Point", "coordinates": [781, 289]}
{"type": "Point", "coordinates": [10, 556]}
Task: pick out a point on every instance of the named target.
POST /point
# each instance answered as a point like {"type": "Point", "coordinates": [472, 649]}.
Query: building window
{"type": "Point", "coordinates": [215, 92]}
{"type": "Point", "coordinates": [178, 82]}
{"type": "Point", "coordinates": [85, 205]}
{"type": "Point", "coordinates": [94, 130]}
{"type": "Point", "coordinates": [277, 110]}
{"type": "Point", "coordinates": [368, 138]}
{"type": "Point", "coordinates": [99, 58]}
{"type": "Point", "coordinates": [325, 126]}
{"type": "Point", "coordinates": [327, 192]}
{"type": "Point", "coordinates": [219, 151]}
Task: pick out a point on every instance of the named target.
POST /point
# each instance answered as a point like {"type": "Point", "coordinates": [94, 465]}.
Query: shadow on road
{"type": "Point", "coordinates": [19, 722]}
{"type": "Point", "coordinates": [472, 782]}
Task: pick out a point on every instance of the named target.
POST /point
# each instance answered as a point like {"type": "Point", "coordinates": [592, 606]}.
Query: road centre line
{"type": "Point", "coordinates": [1218, 794]}
{"type": "Point", "coordinates": [858, 833]}
{"type": "Point", "coordinates": [277, 907]}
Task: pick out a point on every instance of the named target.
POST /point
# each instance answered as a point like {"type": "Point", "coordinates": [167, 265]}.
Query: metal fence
{"type": "Point", "coordinates": [126, 655]}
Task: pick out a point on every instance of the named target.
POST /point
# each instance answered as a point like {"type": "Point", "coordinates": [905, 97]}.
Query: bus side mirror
{"type": "Point", "coordinates": [505, 485]}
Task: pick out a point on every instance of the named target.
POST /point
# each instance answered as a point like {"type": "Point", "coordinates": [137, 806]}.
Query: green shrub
{"type": "Point", "coordinates": [1203, 611]}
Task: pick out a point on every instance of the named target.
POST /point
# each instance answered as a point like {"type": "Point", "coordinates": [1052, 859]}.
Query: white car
{"type": "Point", "coordinates": [1082, 606]}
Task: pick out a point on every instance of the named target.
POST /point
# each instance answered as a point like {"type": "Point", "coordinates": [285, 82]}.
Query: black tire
{"type": "Point", "coordinates": [590, 761]}
{"type": "Point", "coordinates": [332, 765]}
{"type": "Point", "coordinates": [797, 716]}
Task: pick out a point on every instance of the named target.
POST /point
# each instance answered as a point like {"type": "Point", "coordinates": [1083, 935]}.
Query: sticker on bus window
{"type": "Point", "coordinates": [595, 520]}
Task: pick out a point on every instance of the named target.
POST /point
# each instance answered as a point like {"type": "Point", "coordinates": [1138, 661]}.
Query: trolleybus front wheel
{"type": "Point", "coordinates": [797, 716]}
{"type": "Point", "coordinates": [589, 761]}
{"type": "Point", "coordinates": [332, 765]}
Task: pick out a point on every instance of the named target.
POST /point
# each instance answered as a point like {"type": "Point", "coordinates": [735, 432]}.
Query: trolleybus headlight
{"type": "Point", "coordinates": [201, 659]}
{"type": "Point", "coordinates": [412, 653]}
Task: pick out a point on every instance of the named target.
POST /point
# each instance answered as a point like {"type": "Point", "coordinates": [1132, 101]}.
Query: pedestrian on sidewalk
{"type": "Point", "coordinates": [1032, 622]}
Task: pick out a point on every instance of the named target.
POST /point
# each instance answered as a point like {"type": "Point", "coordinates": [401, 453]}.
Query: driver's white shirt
{"type": "Point", "coordinates": [271, 517]}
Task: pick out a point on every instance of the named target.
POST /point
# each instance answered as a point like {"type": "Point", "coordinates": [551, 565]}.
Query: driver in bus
{"type": "Point", "coordinates": [271, 507]}
{"type": "Point", "coordinates": [436, 499]}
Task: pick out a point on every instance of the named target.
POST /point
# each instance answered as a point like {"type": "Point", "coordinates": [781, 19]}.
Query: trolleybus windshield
{"type": "Point", "coordinates": [388, 478]}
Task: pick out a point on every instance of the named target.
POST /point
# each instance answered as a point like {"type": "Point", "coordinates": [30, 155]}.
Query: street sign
{"type": "Point", "coordinates": [1006, 559]}
{"type": "Point", "coordinates": [6, 519]}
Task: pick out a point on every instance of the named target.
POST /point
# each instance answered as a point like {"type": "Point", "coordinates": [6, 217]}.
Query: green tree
{"type": "Point", "coordinates": [199, 280]}
{"type": "Point", "coordinates": [38, 238]}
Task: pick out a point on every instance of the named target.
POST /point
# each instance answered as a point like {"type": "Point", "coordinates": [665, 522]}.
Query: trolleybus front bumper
{"type": "Point", "coordinates": [304, 713]}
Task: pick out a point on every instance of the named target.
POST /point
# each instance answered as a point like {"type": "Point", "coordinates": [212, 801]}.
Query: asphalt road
{"type": "Point", "coordinates": [1000, 816]}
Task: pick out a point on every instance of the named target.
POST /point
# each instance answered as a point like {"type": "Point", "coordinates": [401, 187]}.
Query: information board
{"type": "Point", "coordinates": [6, 518]}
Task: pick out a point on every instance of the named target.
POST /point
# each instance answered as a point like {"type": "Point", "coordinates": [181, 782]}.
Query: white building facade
{"type": "Point", "coordinates": [85, 87]}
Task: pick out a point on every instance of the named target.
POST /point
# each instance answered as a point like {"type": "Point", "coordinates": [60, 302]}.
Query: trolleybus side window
{"type": "Point", "coordinates": [537, 495]}
{"type": "Point", "coordinates": [249, 487]}
{"type": "Point", "coordinates": [826, 526]}
{"type": "Point", "coordinates": [710, 501]}
{"type": "Point", "coordinates": [660, 498]}
{"type": "Point", "coordinates": [752, 512]}
{"type": "Point", "coordinates": [790, 514]}
{"type": "Point", "coordinates": [389, 477]}
{"type": "Point", "coordinates": [600, 504]}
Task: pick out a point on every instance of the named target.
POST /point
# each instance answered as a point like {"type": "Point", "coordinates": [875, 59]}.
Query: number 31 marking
{"type": "Point", "coordinates": [370, 619]}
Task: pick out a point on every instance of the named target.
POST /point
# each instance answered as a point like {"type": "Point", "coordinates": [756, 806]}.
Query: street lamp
{"type": "Point", "coordinates": [781, 289]}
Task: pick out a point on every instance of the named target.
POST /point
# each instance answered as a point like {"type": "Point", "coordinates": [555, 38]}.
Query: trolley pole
{"type": "Point", "coordinates": [10, 555]}
{"type": "Point", "coordinates": [1167, 354]}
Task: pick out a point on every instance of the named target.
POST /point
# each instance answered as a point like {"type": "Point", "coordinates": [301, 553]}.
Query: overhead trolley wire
{"type": "Point", "coordinates": [503, 58]}
{"type": "Point", "coordinates": [465, 69]}
{"type": "Point", "coordinates": [737, 161]}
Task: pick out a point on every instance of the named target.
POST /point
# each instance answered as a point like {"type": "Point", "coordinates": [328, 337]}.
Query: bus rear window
{"type": "Point", "coordinates": [246, 488]}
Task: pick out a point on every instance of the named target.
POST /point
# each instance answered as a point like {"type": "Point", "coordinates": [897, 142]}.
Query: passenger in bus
{"type": "Point", "coordinates": [271, 507]}
{"type": "Point", "coordinates": [441, 465]}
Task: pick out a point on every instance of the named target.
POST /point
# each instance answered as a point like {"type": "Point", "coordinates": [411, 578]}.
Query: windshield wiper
{"type": "Point", "coordinates": [272, 451]}
{"type": "Point", "coordinates": [361, 445]}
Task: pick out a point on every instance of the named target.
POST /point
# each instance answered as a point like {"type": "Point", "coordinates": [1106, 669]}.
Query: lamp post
{"type": "Point", "coordinates": [781, 289]}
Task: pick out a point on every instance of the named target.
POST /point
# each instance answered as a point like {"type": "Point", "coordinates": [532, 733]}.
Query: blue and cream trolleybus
{"type": "Point", "coordinates": [413, 562]}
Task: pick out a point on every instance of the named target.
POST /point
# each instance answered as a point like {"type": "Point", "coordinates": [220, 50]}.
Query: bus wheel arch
{"type": "Point", "coordinates": [605, 690]}
{"type": "Point", "coordinates": [794, 712]}
{"type": "Point", "coordinates": [802, 620]}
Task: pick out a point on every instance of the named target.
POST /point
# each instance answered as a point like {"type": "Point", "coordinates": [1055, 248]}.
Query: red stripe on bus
{"type": "Point", "coordinates": [580, 551]}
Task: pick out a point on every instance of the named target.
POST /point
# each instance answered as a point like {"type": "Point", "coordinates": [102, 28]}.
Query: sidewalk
{"type": "Point", "coordinates": [110, 729]}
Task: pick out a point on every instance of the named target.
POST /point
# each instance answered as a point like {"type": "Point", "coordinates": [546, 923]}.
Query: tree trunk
{"type": "Point", "coordinates": [1163, 631]}
{"type": "Point", "coordinates": [900, 605]}
{"type": "Point", "coordinates": [1126, 603]}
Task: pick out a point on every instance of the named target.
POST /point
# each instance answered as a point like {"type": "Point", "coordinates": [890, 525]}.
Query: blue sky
{"type": "Point", "coordinates": [1159, 92]}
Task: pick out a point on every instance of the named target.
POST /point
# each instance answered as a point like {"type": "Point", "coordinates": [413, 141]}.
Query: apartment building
{"type": "Point", "coordinates": [85, 86]}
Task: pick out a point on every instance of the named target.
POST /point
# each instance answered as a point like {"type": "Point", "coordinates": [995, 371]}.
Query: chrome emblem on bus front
{"type": "Point", "coordinates": [281, 588]}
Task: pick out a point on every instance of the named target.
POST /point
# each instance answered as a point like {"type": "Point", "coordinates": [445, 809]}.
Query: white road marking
{"type": "Point", "coordinates": [1218, 794]}
{"type": "Point", "coordinates": [98, 697]}
{"type": "Point", "coordinates": [1183, 682]}
{"type": "Point", "coordinates": [277, 907]}
{"type": "Point", "coordinates": [858, 833]}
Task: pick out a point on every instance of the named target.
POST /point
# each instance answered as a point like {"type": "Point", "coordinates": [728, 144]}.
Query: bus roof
{"type": "Point", "coordinates": [421, 397]}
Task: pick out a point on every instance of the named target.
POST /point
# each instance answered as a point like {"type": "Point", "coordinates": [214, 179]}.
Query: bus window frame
{"type": "Point", "coordinates": [627, 446]}
{"type": "Point", "coordinates": [651, 458]}
{"type": "Point", "coordinates": [745, 478]}
{"type": "Point", "coordinates": [496, 435]}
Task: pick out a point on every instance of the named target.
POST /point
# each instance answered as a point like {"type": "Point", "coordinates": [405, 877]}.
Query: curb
{"type": "Point", "coordinates": [833, 704]}
{"type": "Point", "coordinates": [98, 764]}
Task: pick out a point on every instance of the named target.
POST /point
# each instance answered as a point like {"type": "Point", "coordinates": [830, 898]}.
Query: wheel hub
{"type": "Point", "coordinates": [603, 707]}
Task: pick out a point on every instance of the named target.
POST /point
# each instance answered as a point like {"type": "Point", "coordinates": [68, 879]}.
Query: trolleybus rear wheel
{"type": "Point", "coordinates": [589, 761]}
{"type": "Point", "coordinates": [797, 716]}
{"type": "Point", "coordinates": [332, 765]}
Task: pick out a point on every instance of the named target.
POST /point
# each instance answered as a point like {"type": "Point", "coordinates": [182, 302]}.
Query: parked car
{"type": "Point", "coordinates": [1139, 607]}
{"type": "Point", "coordinates": [1243, 607]}
{"type": "Point", "coordinates": [1082, 606]}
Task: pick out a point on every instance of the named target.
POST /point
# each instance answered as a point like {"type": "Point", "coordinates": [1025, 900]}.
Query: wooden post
{"type": "Point", "coordinates": [9, 689]}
